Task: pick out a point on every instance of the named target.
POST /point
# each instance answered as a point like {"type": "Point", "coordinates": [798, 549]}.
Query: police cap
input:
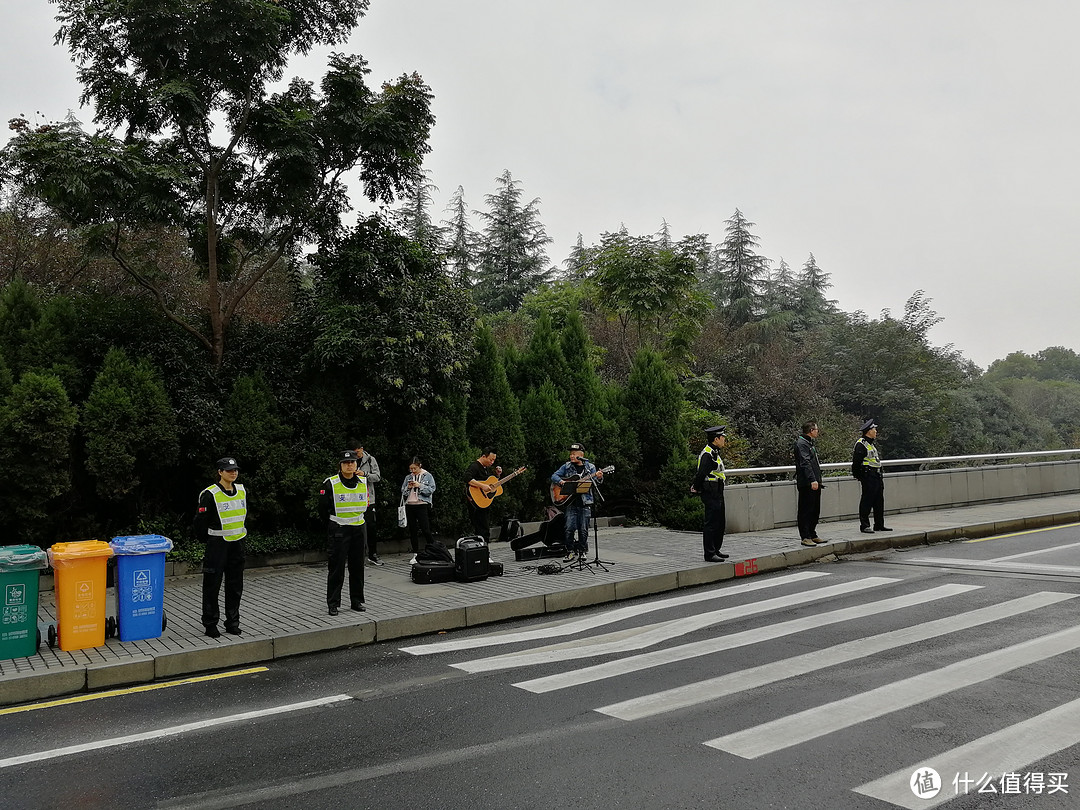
{"type": "Point", "coordinates": [349, 455]}
{"type": "Point", "coordinates": [227, 464]}
{"type": "Point", "coordinates": [716, 431]}
{"type": "Point", "coordinates": [869, 424]}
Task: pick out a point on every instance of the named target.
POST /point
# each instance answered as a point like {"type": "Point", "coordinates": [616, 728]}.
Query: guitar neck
{"type": "Point", "coordinates": [514, 474]}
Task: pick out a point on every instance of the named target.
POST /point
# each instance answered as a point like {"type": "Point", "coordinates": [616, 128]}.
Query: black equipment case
{"type": "Point", "coordinates": [425, 572]}
{"type": "Point", "coordinates": [471, 559]}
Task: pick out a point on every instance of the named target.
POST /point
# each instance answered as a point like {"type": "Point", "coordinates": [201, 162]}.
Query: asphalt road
{"type": "Point", "coordinates": [827, 686]}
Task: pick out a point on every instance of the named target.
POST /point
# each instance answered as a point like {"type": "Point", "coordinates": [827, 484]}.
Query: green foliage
{"type": "Point", "coordinates": [129, 426]}
{"type": "Point", "coordinates": [547, 438]}
{"type": "Point", "coordinates": [653, 401]}
{"type": "Point", "coordinates": [1052, 363]}
{"type": "Point", "coordinates": [247, 174]}
{"type": "Point", "coordinates": [493, 416]}
{"type": "Point", "coordinates": [37, 421]}
{"type": "Point", "coordinates": [740, 272]}
{"type": "Point", "coordinates": [512, 259]}
{"type": "Point", "coordinates": [385, 317]}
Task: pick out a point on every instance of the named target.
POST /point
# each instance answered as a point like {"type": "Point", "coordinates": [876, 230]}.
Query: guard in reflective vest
{"type": "Point", "coordinates": [343, 499]}
{"type": "Point", "coordinates": [866, 466]}
{"type": "Point", "coordinates": [219, 522]}
{"type": "Point", "coordinates": [709, 484]}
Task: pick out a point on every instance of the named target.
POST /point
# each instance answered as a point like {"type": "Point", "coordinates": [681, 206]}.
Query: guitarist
{"type": "Point", "coordinates": [477, 475]}
{"type": "Point", "coordinates": [578, 508]}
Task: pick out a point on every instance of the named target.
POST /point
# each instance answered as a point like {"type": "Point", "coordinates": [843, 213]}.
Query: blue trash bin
{"type": "Point", "coordinates": [140, 585]}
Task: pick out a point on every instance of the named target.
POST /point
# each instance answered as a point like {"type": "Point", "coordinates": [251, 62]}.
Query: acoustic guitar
{"type": "Point", "coordinates": [558, 498]}
{"type": "Point", "coordinates": [483, 499]}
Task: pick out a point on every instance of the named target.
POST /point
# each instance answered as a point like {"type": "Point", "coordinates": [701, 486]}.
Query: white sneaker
{"type": "Point", "coordinates": [413, 560]}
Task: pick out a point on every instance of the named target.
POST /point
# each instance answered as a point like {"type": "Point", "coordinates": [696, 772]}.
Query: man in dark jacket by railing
{"type": "Point", "coordinates": [808, 482]}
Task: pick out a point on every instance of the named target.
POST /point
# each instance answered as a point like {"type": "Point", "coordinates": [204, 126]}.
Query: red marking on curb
{"type": "Point", "coordinates": [746, 568]}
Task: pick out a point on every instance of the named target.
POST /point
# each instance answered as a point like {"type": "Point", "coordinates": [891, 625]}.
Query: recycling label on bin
{"type": "Point", "coordinates": [16, 610]}
{"type": "Point", "coordinates": [84, 591]}
{"type": "Point", "coordinates": [140, 589]}
{"type": "Point", "coordinates": [15, 595]}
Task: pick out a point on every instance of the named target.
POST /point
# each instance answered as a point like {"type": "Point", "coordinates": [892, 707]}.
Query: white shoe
{"type": "Point", "coordinates": [413, 560]}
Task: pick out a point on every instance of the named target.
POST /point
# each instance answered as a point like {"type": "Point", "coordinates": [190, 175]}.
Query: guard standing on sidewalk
{"type": "Point", "coordinates": [343, 500]}
{"type": "Point", "coordinates": [866, 466]}
{"type": "Point", "coordinates": [219, 522]}
{"type": "Point", "coordinates": [809, 484]}
{"type": "Point", "coordinates": [368, 467]}
{"type": "Point", "coordinates": [709, 484]}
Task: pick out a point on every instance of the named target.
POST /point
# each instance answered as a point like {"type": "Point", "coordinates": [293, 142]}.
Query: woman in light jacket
{"type": "Point", "coordinates": [417, 489]}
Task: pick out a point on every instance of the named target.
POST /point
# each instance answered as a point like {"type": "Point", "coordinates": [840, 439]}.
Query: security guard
{"type": "Point", "coordinates": [709, 484]}
{"type": "Point", "coordinates": [343, 499]}
{"type": "Point", "coordinates": [866, 466]}
{"type": "Point", "coordinates": [219, 522]}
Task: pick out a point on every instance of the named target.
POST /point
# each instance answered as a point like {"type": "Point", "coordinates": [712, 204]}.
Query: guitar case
{"type": "Point", "coordinates": [551, 533]}
{"type": "Point", "coordinates": [429, 572]}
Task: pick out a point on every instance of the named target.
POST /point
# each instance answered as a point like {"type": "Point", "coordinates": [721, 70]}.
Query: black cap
{"type": "Point", "coordinates": [869, 424]}
{"type": "Point", "coordinates": [349, 455]}
{"type": "Point", "coordinates": [575, 446]}
{"type": "Point", "coordinates": [227, 464]}
{"type": "Point", "coordinates": [716, 431]}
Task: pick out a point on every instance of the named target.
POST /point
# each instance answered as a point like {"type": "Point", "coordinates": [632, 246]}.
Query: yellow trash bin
{"type": "Point", "coordinates": [80, 592]}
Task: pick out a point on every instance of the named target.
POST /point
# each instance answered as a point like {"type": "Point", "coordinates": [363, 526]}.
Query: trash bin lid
{"type": "Point", "coordinates": [79, 549]}
{"type": "Point", "coordinates": [141, 544]}
{"type": "Point", "coordinates": [22, 558]}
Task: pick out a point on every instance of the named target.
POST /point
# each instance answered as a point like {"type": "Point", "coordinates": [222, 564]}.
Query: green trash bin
{"type": "Point", "coordinates": [20, 568]}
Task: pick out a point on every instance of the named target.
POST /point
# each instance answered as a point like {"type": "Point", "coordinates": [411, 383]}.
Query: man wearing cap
{"type": "Point", "coordinates": [579, 507]}
{"type": "Point", "coordinates": [866, 466]}
{"type": "Point", "coordinates": [343, 499]}
{"type": "Point", "coordinates": [219, 522]}
{"type": "Point", "coordinates": [808, 484]}
{"type": "Point", "coordinates": [367, 467]}
{"type": "Point", "coordinates": [709, 484]}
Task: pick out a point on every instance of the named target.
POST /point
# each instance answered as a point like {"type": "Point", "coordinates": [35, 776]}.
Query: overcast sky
{"type": "Point", "coordinates": [912, 144]}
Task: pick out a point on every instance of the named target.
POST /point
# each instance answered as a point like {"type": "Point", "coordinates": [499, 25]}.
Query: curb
{"type": "Point", "coordinates": [36, 685]}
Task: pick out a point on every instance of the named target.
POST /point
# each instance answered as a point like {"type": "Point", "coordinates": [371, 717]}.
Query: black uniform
{"type": "Point", "coordinates": [712, 497]}
{"type": "Point", "coordinates": [222, 560]}
{"type": "Point", "coordinates": [873, 488]}
{"type": "Point", "coordinates": [345, 547]}
{"type": "Point", "coordinates": [807, 472]}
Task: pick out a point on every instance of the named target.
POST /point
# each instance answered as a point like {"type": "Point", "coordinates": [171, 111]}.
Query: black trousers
{"type": "Point", "coordinates": [712, 537]}
{"type": "Point", "coordinates": [809, 511]}
{"type": "Point", "coordinates": [369, 528]}
{"type": "Point", "coordinates": [419, 518]}
{"type": "Point", "coordinates": [222, 561]}
{"type": "Point", "coordinates": [873, 499]}
{"type": "Point", "coordinates": [345, 545]}
{"type": "Point", "coordinates": [480, 524]}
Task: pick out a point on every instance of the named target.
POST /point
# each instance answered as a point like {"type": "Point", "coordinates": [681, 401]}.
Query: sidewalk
{"type": "Point", "coordinates": [283, 611]}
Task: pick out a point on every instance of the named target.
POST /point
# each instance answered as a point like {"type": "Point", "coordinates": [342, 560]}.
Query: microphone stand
{"type": "Point", "coordinates": [596, 535]}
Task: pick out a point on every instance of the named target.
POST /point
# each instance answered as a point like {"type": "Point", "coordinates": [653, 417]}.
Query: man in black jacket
{"type": "Point", "coordinates": [866, 466]}
{"type": "Point", "coordinates": [808, 482]}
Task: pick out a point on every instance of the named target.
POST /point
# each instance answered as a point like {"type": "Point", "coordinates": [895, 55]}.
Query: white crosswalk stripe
{"type": "Point", "coordinates": [683, 652]}
{"type": "Point", "coordinates": [785, 732]}
{"type": "Point", "coordinates": [713, 688]}
{"type": "Point", "coordinates": [573, 626]}
{"type": "Point", "coordinates": [639, 638]}
{"type": "Point", "coordinates": [1005, 751]}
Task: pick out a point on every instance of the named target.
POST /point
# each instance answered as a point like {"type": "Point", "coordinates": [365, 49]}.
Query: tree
{"type": "Point", "coordinates": [412, 217]}
{"type": "Point", "coordinates": [246, 174]}
{"type": "Point", "coordinates": [546, 439]}
{"type": "Point", "coordinates": [129, 427]}
{"type": "Point", "coordinates": [651, 286]}
{"type": "Point", "coordinates": [653, 401]}
{"type": "Point", "coordinates": [740, 271]}
{"type": "Point", "coordinates": [37, 422]}
{"type": "Point", "coordinates": [385, 316]}
{"type": "Point", "coordinates": [459, 240]}
{"type": "Point", "coordinates": [493, 417]}
{"type": "Point", "coordinates": [513, 261]}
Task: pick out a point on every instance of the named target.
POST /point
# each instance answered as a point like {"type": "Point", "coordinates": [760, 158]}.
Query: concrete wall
{"type": "Point", "coordinates": [752, 507]}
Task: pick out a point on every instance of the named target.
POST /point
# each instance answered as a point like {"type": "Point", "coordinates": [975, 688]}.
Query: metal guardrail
{"type": "Point", "coordinates": [908, 462]}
